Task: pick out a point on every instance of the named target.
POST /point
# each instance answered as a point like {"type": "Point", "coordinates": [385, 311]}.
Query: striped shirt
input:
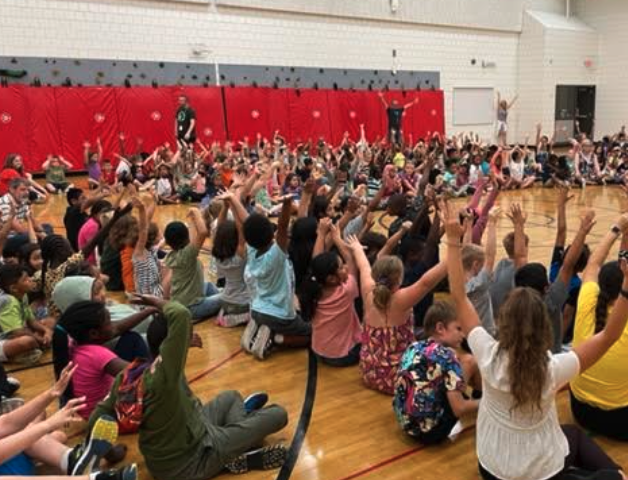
{"type": "Point", "coordinates": [22, 210]}
{"type": "Point", "coordinates": [147, 274]}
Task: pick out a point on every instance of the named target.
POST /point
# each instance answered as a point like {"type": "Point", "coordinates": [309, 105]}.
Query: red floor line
{"type": "Point", "coordinates": [196, 377]}
{"type": "Point", "coordinates": [200, 375]}
{"type": "Point", "coordinates": [393, 459]}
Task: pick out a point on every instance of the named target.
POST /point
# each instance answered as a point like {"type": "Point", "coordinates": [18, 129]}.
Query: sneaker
{"type": "Point", "coordinates": [87, 455]}
{"type": "Point", "coordinates": [248, 335]}
{"type": "Point", "coordinates": [255, 401]}
{"type": "Point", "coordinates": [266, 458]}
{"type": "Point", "coordinates": [126, 473]}
{"type": "Point", "coordinates": [262, 343]}
{"type": "Point", "coordinates": [9, 387]}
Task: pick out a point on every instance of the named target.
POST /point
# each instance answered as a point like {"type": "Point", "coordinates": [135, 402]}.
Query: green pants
{"type": "Point", "coordinates": [230, 432]}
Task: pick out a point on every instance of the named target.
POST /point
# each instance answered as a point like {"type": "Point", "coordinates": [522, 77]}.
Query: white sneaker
{"type": "Point", "coordinates": [248, 336]}
{"type": "Point", "coordinates": [262, 342]}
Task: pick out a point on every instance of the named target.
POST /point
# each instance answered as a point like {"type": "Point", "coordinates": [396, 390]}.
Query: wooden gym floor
{"type": "Point", "coordinates": [352, 433]}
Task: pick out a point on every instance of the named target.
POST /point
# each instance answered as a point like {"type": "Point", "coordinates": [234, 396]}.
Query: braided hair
{"type": "Point", "coordinates": [55, 250]}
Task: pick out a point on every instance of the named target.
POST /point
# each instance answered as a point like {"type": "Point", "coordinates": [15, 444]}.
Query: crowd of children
{"type": "Point", "coordinates": [512, 335]}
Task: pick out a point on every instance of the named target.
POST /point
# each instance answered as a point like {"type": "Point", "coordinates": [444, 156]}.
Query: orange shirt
{"type": "Point", "coordinates": [126, 258]}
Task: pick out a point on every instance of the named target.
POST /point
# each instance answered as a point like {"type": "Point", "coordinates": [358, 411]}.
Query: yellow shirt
{"type": "Point", "coordinates": [605, 384]}
{"type": "Point", "coordinates": [399, 160]}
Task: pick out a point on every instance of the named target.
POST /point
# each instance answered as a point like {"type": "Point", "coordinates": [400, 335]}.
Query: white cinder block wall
{"type": "Point", "coordinates": [336, 35]}
{"type": "Point", "coordinates": [610, 19]}
{"type": "Point", "coordinates": [552, 51]}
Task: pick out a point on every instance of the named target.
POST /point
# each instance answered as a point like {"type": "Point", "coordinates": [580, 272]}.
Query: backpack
{"type": "Point", "coordinates": [129, 405]}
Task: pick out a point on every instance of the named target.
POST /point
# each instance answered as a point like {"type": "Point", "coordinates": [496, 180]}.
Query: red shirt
{"type": "Point", "coordinates": [6, 176]}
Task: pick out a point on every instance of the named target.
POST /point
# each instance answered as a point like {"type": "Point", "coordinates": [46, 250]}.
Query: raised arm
{"type": "Point", "coordinates": [569, 264]}
{"type": "Point", "coordinates": [282, 237]}
{"type": "Point", "coordinates": [561, 224]}
{"type": "Point", "coordinates": [512, 102]}
{"type": "Point", "coordinates": [199, 232]}
{"type": "Point", "coordinates": [323, 229]}
{"type": "Point", "coordinates": [140, 245]}
{"type": "Point", "coordinates": [598, 257]}
{"type": "Point", "coordinates": [407, 297]}
{"type": "Point", "coordinates": [491, 239]}
{"type": "Point", "coordinates": [345, 251]}
{"type": "Point", "coordinates": [518, 218]}
{"type": "Point", "coordinates": [104, 231]}
{"type": "Point", "coordinates": [592, 349]}
{"type": "Point", "coordinates": [366, 280]}
{"type": "Point", "coordinates": [466, 312]}
{"type": "Point", "coordinates": [393, 241]}
{"type": "Point", "coordinates": [381, 97]}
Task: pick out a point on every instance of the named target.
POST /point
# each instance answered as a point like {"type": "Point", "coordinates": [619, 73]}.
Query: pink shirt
{"type": "Point", "coordinates": [90, 379]}
{"type": "Point", "coordinates": [88, 231]}
{"type": "Point", "coordinates": [336, 327]}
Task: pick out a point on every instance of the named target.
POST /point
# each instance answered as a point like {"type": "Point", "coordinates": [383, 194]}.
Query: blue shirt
{"type": "Point", "coordinates": [273, 279]}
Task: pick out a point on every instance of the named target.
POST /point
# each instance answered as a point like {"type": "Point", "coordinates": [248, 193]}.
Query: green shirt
{"type": "Point", "coordinates": [13, 313]}
{"type": "Point", "coordinates": [172, 426]}
{"type": "Point", "coordinates": [187, 284]}
{"type": "Point", "coordinates": [55, 174]}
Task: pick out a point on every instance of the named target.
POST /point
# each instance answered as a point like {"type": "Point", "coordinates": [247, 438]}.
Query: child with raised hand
{"type": "Point", "coordinates": [186, 283]}
{"type": "Point", "coordinates": [229, 251]}
{"type": "Point", "coordinates": [327, 300]}
{"type": "Point", "coordinates": [24, 439]}
{"type": "Point", "coordinates": [195, 441]}
{"type": "Point", "coordinates": [55, 167]}
{"type": "Point", "coordinates": [92, 162]}
{"type": "Point", "coordinates": [274, 318]}
{"type": "Point", "coordinates": [599, 396]}
{"type": "Point", "coordinates": [520, 378]}
{"type": "Point", "coordinates": [388, 319]}
{"type": "Point", "coordinates": [431, 381]}
{"type": "Point", "coordinates": [147, 269]}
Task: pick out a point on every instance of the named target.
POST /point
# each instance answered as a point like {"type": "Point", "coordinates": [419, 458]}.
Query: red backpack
{"type": "Point", "coordinates": [129, 405]}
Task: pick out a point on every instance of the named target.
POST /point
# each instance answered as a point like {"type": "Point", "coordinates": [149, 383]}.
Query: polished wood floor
{"type": "Point", "coordinates": [353, 433]}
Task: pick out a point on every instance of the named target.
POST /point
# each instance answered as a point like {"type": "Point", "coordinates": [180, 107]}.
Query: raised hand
{"type": "Point", "coordinates": [588, 221]}
{"type": "Point", "coordinates": [354, 243]}
{"type": "Point", "coordinates": [64, 379]}
{"type": "Point", "coordinates": [563, 195]}
{"type": "Point", "coordinates": [451, 221]}
{"type": "Point", "coordinates": [494, 214]}
{"type": "Point", "coordinates": [516, 215]}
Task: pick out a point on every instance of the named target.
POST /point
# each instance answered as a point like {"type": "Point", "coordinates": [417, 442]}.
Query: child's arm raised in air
{"type": "Point", "coordinates": [518, 218]}
{"type": "Point", "coordinates": [491, 239]}
{"type": "Point", "coordinates": [281, 237]}
{"type": "Point", "coordinates": [466, 312]}
{"type": "Point", "coordinates": [142, 237]}
{"type": "Point", "coordinates": [46, 163]}
{"type": "Point", "coordinates": [65, 163]}
{"type": "Point", "coordinates": [345, 251]}
{"type": "Point", "coordinates": [393, 241]}
{"type": "Point", "coordinates": [324, 226]}
{"type": "Point", "coordinates": [366, 280]}
{"type": "Point", "coordinates": [569, 263]}
{"type": "Point", "coordinates": [407, 297]}
{"type": "Point", "coordinates": [561, 222]}
{"type": "Point", "coordinates": [198, 234]}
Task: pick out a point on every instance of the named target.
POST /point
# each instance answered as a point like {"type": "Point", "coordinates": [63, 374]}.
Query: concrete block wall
{"type": "Point", "coordinates": [609, 18]}
{"type": "Point", "coordinates": [170, 31]}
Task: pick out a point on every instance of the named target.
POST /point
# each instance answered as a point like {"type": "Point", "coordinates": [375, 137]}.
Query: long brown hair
{"type": "Point", "coordinates": [387, 273]}
{"type": "Point", "coordinates": [525, 335]}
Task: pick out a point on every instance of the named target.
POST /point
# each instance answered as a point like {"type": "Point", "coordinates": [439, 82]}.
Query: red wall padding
{"type": "Point", "coordinates": [37, 121]}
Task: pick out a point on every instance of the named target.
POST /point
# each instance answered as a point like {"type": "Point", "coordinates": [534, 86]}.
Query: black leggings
{"type": "Point", "coordinates": [586, 460]}
{"type": "Point", "coordinates": [610, 423]}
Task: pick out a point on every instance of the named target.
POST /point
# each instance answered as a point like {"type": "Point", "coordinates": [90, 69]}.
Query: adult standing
{"type": "Point", "coordinates": [395, 112]}
{"type": "Point", "coordinates": [185, 123]}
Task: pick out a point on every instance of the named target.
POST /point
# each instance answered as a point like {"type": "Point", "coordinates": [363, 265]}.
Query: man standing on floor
{"type": "Point", "coordinates": [185, 124]}
{"type": "Point", "coordinates": [394, 111]}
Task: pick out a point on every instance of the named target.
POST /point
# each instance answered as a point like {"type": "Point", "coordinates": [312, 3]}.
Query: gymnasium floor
{"type": "Point", "coordinates": [352, 433]}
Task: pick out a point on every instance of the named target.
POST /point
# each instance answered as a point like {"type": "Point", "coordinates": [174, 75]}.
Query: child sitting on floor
{"type": "Point", "coordinates": [55, 167]}
{"type": "Point", "coordinates": [195, 441]}
{"type": "Point", "coordinates": [274, 318]}
{"type": "Point", "coordinates": [431, 381]}
{"type": "Point", "coordinates": [187, 284]}
{"type": "Point", "coordinates": [22, 336]}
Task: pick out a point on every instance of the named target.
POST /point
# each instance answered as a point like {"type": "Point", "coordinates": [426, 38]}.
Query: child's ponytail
{"type": "Point", "coordinates": [311, 289]}
{"type": "Point", "coordinates": [387, 273]}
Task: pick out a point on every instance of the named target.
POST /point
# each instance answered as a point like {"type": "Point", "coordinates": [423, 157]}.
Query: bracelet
{"type": "Point", "coordinates": [624, 293]}
{"type": "Point", "coordinates": [452, 244]}
{"type": "Point", "coordinates": [615, 229]}
{"type": "Point", "coordinates": [623, 255]}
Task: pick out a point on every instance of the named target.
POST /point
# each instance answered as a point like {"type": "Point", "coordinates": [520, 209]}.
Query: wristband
{"type": "Point", "coordinates": [623, 254]}
{"type": "Point", "coordinates": [615, 229]}
{"type": "Point", "coordinates": [624, 293]}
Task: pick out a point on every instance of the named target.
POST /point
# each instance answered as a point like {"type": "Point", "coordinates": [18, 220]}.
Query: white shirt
{"type": "Point", "coordinates": [516, 170]}
{"type": "Point", "coordinates": [516, 444]}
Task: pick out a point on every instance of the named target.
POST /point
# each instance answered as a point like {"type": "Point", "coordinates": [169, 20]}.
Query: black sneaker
{"type": "Point", "coordinates": [266, 458]}
{"type": "Point", "coordinates": [85, 457]}
{"type": "Point", "coordinates": [126, 473]}
{"type": "Point", "coordinates": [255, 401]}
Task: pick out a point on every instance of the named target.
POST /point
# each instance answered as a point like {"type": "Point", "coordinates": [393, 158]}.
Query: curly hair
{"type": "Point", "coordinates": [525, 336]}
{"type": "Point", "coordinates": [124, 232]}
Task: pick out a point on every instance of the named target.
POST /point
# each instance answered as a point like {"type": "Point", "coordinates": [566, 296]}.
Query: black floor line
{"type": "Point", "coordinates": [304, 420]}
{"type": "Point", "coordinates": [29, 367]}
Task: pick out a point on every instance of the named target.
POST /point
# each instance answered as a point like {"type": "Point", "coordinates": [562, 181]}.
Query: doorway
{"type": "Point", "coordinates": [575, 111]}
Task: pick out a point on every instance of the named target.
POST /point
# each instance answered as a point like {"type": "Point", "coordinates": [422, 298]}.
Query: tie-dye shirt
{"type": "Point", "coordinates": [428, 370]}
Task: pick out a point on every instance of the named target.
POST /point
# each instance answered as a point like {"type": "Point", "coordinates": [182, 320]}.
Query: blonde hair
{"type": "Point", "coordinates": [387, 273]}
{"type": "Point", "coordinates": [472, 253]}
